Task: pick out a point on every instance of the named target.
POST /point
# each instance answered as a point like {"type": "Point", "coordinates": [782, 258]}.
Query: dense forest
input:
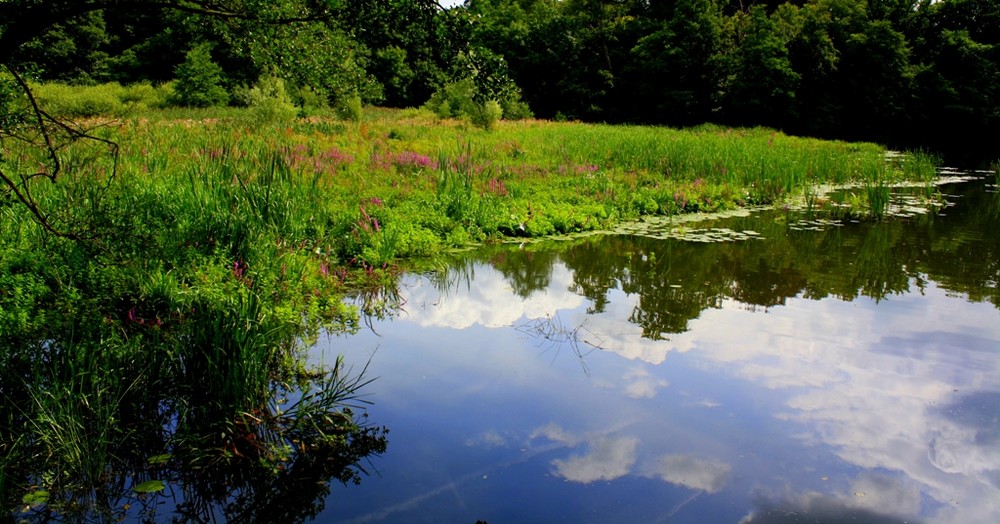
{"type": "Point", "coordinates": [914, 73]}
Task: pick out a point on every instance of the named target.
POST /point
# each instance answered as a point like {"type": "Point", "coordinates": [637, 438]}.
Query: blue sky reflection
{"type": "Point", "coordinates": [837, 406]}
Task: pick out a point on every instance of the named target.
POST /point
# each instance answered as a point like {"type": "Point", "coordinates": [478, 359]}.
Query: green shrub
{"type": "Point", "coordinates": [486, 115]}
{"type": "Point", "coordinates": [516, 109]}
{"type": "Point", "coordinates": [350, 108]}
{"type": "Point", "coordinates": [461, 100]}
{"type": "Point", "coordinates": [109, 99]}
{"type": "Point", "coordinates": [80, 101]}
{"type": "Point", "coordinates": [270, 102]}
{"type": "Point", "coordinates": [147, 96]}
{"type": "Point", "coordinates": [13, 103]}
{"type": "Point", "coordinates": [310, 102]}
{"type": "Point", "coordinates": [199, 80]}
{"type": "Point", "coordinates": [452, 100]}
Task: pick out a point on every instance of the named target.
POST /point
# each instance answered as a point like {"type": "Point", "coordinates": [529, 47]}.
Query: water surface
{"type": "Point", "coordinates": [822, 373]}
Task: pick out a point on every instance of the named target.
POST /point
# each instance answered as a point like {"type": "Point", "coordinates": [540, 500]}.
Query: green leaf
{"type": "Point", "coordinates": [36, 498]}
{"type": "Point", "coordinates": [159, 460]}
{"type": "Point", "coordinates": [150, 486]}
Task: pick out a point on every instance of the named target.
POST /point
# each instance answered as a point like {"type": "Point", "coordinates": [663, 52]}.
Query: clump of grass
{"type": "Point", "coordinates": [877, 192]}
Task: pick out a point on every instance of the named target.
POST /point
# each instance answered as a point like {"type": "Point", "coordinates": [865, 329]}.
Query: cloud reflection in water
{"type": "Point", "coordinates": [855, 411]}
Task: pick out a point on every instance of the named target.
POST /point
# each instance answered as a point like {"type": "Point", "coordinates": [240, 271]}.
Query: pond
{"type": "Point", "coordinates": [800, 369]}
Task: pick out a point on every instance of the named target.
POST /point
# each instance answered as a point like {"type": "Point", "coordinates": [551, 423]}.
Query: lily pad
{"type": "Point", "coordinates": [36, 498]}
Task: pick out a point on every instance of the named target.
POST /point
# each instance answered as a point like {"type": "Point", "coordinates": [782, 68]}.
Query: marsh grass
{"type": "Point", "coordinates": [877, 191]}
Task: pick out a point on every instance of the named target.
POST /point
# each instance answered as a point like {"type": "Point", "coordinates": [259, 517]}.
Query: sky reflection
{"type": "Point", "coordinates": [881, 410]}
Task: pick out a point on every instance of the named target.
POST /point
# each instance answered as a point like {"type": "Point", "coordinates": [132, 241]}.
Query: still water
{"type": "Point", "coordinates": [801, 371]}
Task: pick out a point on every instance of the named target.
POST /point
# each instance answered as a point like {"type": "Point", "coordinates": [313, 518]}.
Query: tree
{"type": "Point", "coordinates": [956, 48]}
{"type": "Point", "coordinates": [199, 79]}
{"type": "Point", "coordinates": [677, 67]}
{"type": "Point", "coordinates": [69, 52]}
{"type": "Point", "coordinates": [568, 56]}
{"type": "Point", "coordinates": [411, 46]}
{"type": "Point", "coordinates": [761, 86]}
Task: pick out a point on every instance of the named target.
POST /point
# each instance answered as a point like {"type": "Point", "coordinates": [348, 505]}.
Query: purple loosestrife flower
{"type": "Point", "coordinates": [407, 160]}
{"type": "Point", "coordinates": [336, 158]}
{"type": "Point", "coordinates": [239, 268]}
{"type": "Point", "coordinates": [497, 187]}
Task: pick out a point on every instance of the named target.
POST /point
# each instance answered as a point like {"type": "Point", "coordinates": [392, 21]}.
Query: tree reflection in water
{"type": "Point", "coordinates": [674, 281]}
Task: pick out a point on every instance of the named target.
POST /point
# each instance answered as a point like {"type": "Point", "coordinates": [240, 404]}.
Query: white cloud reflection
{"type": "Point", "coordinates": [491, 302]}
{"type": "Point", "coordinates": [487, 439]}
{"type": "Point", "coordinates": [639, 383]}
{"type": "Point", "coordinates": [872, 389]}
{"type": "Point", "coordinates": [607, 458]}
{"type": "Point", "coordinates": [699, 474]}
{"type": "Point", "coordinates": [871, 497]}
{"type": "Point", "coordinates": [870, 381]}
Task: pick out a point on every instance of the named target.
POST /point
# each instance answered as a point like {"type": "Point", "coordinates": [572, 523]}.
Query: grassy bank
{"type": "Point", "coordinates": [213, 249]}
{"type": "Point", "coordinates": [429, 185]}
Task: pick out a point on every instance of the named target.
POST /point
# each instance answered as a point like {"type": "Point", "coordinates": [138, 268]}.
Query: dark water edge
{"type": "Point", "coordinates": [812, 372]}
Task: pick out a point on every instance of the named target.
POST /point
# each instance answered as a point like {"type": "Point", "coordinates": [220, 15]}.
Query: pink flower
{"type": "Point", "coordinates": [239, 268]}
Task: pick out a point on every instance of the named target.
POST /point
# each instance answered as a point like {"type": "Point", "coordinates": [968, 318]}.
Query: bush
{"type": "Point", "coordinates": [486, 115]}
{"type": "Point", "coordinates": [459, 100]}
{"type": "Point", "coordinates": [145, 95]}
{"type": "Point", "coordinates": [100, 100]}
{"type": "Point", "coordinates": [516, 109]}
{"type": "Point", "coordinates": [453, 99]}
{"type": "Point", "coordinates": [13, 103]}
{"type": "Point", "coordinates": [310, 102]}
{"type": "Point", "coordinates": [350, 108]}
{"type": "Point", "coordinates": [79, 101]}
{"type": "Point", "coordinates": [199, 80]}
{"type": "Point", "coordinates": [269, 101]}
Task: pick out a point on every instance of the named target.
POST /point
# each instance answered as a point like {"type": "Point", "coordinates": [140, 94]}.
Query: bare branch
{"type": "Point", "coordinates": [48, 128]}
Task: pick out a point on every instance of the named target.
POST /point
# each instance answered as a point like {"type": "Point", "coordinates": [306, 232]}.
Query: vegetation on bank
{"type": "Point", "coordinates": [162, 333]}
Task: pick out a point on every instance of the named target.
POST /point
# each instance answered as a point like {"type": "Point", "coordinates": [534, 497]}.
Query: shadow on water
{"type": "Point", "coordinates": [817, 510]}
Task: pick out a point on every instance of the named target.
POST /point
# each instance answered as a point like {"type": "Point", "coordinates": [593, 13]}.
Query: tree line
{"type": "Point", "coordinates": [916, 73]}
{"type": "Point", "coordinates": [905, 72]}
